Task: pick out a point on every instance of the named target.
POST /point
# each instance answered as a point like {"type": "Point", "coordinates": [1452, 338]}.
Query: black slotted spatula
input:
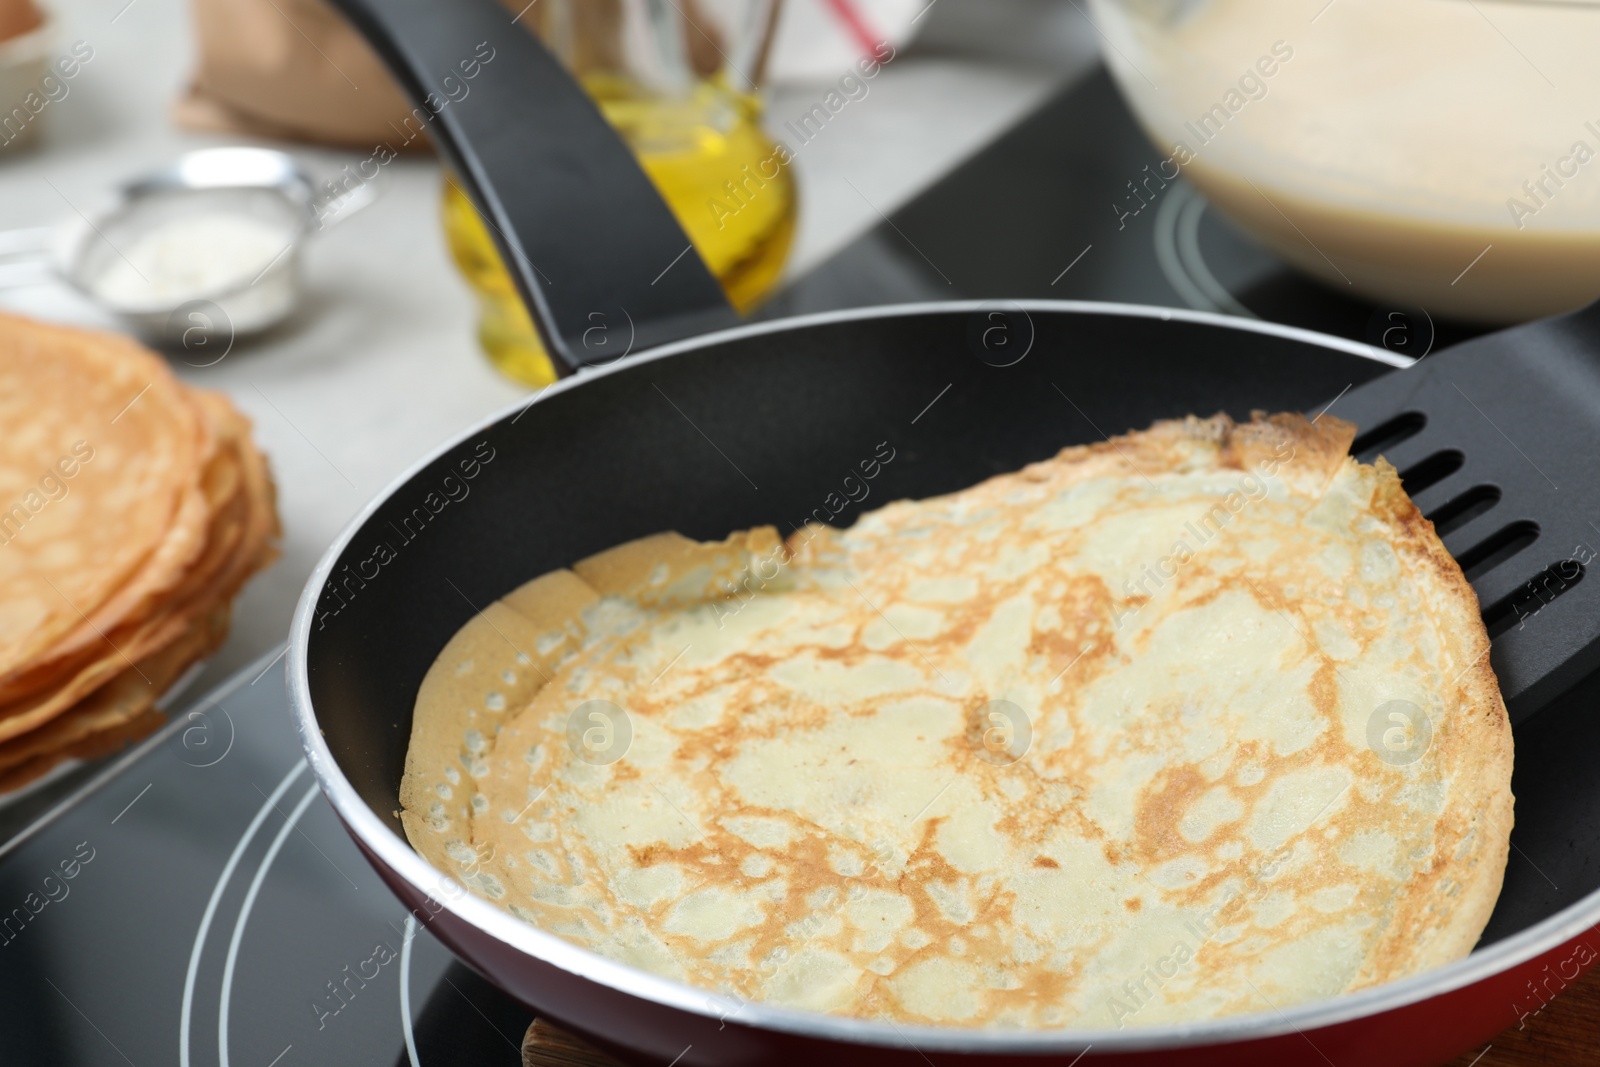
{"type": "Point", "coordinates": [1497, 440]}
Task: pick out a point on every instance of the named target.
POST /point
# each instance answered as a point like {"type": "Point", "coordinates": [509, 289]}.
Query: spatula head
{"type": "Point", "coordinates": [1498, 442]}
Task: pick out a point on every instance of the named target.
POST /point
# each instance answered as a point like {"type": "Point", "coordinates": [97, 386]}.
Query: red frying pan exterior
{"type": "Point", "coordinates": [600, 459]}
{"type": "Point", "coordinates": [1425, 1033]}
{"type": "Point", "coordinates": [592, 462]}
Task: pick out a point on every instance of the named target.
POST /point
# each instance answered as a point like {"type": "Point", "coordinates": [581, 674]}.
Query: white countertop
{"type": "Point", "coordinates": [382, 364]}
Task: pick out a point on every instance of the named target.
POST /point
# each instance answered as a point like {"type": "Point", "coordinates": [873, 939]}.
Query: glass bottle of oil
{"type": "Point", "coordinates": [722, 176]}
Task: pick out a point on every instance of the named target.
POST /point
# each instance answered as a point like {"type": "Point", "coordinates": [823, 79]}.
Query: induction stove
{"type": "Point", "coordinates": [1071, 204]}
{"type": "Point", "coordinates": [195, 901]}
{"type": "Point", "coordinates": [199, 904]}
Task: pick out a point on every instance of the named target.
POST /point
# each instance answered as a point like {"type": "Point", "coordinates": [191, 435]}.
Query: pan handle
{"type": "Point", "coordinates": [599, 258]}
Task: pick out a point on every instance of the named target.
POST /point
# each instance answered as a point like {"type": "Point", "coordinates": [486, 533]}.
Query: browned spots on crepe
{"type": "Point", "coordinates": [1082, 745]}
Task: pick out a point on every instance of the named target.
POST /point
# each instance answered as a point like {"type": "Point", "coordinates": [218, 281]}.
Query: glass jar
{"type": "Point", "coordinates": [681, 89]}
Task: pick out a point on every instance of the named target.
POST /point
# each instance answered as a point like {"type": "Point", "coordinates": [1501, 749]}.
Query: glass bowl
{"type": "Point", "coordinates": [1434, 153]}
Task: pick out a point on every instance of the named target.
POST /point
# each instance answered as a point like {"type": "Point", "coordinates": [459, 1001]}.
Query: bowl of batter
{"type": "Point", "coordinates": [1433, 153]}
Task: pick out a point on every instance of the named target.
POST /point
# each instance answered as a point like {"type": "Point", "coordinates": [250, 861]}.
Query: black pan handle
{"type": "Point", "coordinates": [599, 258]}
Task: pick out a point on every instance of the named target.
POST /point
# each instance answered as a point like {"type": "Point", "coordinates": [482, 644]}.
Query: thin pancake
{"type": "Point", "coordinates": [243, 524]}
{"type": "Point", "coordinates": [1194, 722]}
{"type": "Point", "coordinates": [64, 675]}
{"type": "Point", "coordinates": [112, 414]}
{"type": "Point", "coordinates": [119, 712]}
{"type": "Point", "coordinates": [124, 698]}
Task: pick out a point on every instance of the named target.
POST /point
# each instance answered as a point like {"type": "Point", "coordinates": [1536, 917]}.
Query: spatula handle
{"type": "Point", "coordinates": [599, 258]}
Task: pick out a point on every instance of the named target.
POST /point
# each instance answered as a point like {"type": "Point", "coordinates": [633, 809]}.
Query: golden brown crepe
{"type": "Point", "coordinates": [1192, 722]}
{"type": "Point", "coordinates": [96, 428]}
{"type": "Point", "coordinates": [132, 511]}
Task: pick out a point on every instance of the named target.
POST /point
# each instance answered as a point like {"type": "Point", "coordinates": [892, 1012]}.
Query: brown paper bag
{"type": "Point", "coordinates": [17, 17]}
{"type": "Point", "coordinates": [291, 69]}
{"type": "Point", "coordinates": [295, 69]}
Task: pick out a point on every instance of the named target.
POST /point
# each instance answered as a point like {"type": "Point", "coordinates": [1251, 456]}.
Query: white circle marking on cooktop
{"type": "Point", "coordinates": [244, 917]}
{"type": "Point", "coordinates": [211, 908]}
{"type": "Point", "coordinates": [405, 989]}
{"type": "Point", "coordinates": [1177, 243]}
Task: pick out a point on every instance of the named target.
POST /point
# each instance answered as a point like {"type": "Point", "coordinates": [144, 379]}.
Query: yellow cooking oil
{"type": "Point", "coordinates": [721, 175]}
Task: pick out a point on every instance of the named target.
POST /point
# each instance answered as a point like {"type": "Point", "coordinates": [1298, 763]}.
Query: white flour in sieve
{"type": "Point", "coordinates": [184, 258]}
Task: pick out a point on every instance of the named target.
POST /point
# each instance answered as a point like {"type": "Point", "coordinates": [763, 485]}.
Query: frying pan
{"type": "Point", "coordinates": [710, 426]}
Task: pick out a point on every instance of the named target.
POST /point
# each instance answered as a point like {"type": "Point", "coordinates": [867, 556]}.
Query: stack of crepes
{"type": "Point", "coordinates": [132, 511]}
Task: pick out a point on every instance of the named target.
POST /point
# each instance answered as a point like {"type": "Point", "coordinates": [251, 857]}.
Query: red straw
{"type": "Point", "coordinates": [867, 39]}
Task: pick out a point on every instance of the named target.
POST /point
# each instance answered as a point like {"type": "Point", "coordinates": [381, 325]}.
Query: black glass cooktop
{"type": "Point", "coordinates": [200, 905]}
{"type": "Point", "coordinates": [1069, 205]}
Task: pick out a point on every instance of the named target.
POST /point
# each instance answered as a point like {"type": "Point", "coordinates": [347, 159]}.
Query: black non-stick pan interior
{"type": "Point", "coordinates": [765, 428]}
{"type": "Point", "coordinates": [762, 429]}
